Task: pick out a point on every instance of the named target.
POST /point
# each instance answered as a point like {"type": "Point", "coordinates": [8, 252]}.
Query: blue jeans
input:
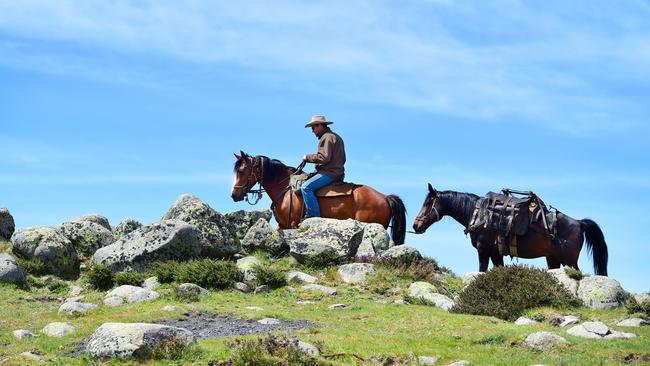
{"type": "Point", "coordinates": [309, 188]}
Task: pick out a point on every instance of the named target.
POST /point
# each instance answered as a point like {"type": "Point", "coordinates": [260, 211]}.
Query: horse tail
{"type": "Point", "coordinates": [595, 244]}
{"type": "Point", "coordinates": [398, 218]}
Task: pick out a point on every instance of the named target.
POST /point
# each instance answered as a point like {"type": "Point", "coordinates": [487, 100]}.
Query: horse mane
{"type": "Point", "coordinates": [272, 168]}
{"type": "Point", "coordinates": [459, 203]}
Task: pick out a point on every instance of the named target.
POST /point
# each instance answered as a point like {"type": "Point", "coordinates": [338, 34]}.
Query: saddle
{"type": "Point", "coordinates": [510, 217]}
{"type": "Point", "coordinates": [334, 189]}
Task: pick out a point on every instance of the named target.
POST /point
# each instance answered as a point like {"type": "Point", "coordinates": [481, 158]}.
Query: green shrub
{"type": "Point", "coordinates": [634, 307]}
{"type": "Point", "coordinates": [100, 277]}
{"type": "Point", "coordinates": [491, 339]}
{"type": "Point", "coordinates": [186, 296]}
{"type": "Point", "coordinates": [506, 292]}
{"type": "Point", "coordinates": [58, 287]}
{"type": "Point", "coordinates": [209, 273]}
{"type": "Point", "coordinates": [34, 266]}
{"type": "Point", "coordinates": [269, 351]}
{"type": "Point", "coordinates": [130, 278]}
{"type": "Point", "coordinates": [323, 260]}
{"type": "Point", "coordinates": [167, 271]}
{"type": "Point", "coordinates": [270, 275]}
{"type": "Point", "coordinates": [35, 281]}
{"type": "Point", "coordinates": [573, 273]}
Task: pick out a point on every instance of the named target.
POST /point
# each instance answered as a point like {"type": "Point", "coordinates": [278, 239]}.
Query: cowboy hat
{"type": "Point", "coordinates": [318, 120]}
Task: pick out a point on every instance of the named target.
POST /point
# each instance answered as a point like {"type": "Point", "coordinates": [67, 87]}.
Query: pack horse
{"type": "Point", "coordinates": [503, 224]}
{"type": "Point", "coordinates": [339, 201]}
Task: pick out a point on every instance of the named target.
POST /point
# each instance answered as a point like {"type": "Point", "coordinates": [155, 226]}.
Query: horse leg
{"type": "Point", "coordinates": [483, 256]}
{"type": "Point", "coordinates": [497, 259]}
{"type": "Point", "coordinates": [552, 261]}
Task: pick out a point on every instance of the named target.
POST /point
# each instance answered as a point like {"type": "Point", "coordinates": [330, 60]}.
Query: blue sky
{"type": "Point", "coordinates": [119, 107]}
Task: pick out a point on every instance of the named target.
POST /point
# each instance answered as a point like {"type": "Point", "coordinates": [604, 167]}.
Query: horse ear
{"type": "Point", "coordinates": [243, 154]}
{"type": "Point", "coordinates": [237, 156]}
{"type": "Point", "coordinates": [431, 189]}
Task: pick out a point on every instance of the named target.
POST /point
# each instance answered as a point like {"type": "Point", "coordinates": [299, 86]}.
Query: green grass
{"type": "Point", "coordinates": [367, 329]}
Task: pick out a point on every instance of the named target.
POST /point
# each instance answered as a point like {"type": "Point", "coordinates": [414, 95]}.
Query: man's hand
{"type": "Point", "coordinates": [304, 158]}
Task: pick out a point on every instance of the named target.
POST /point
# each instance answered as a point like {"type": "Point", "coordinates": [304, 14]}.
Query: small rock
{"type": "Point", "coordinates": [142, 295]}
{"type": "Point", "coordinates": [58, 329]}
{"type": "Point", "coordinates": [151, 283]}
{"type": "Point", "coordinates": [525, 321]}
{"type": "Point", "coordinates": [543, 340]}
{"type": "Point", "coordinates": [76, 290]}
{"type": "Point", "coordinates": [113, 301]}
{"type": "Point", "coordinates": [188, 289]}
{"type": "Point", "coordinates": [615, 334]}
{"type": "Point", "coordinates": [295, 277]}
{"type": "Point", "coordinates": [596, 327]}
{"type": "Point", "coordinates": [241, 287]}
{"type": "Point", "coordinates": [469, 277]}
{"type": "Point", "coordinates": [304, 302]}
{"type": "Point", "coordinates": [32, 356]}
{"type": "Point", "coordinates": [169, 308]}
{"type": "Point", "coordinates": [568, 320]}
{"type": "Point", "coordinates": [400, 302]}
{"type": "Point", "coordinates": [308, 349]}
{"type": "Point", "coordinates": [75, 298]}
{"type": "Point", "coordinates": [356, 272]}
{"type": "Point", "coordinates": [74, 308]}
{"type": "Point", "coordinates": [254, 308]}
{"type": "Point", "coordinates": [459, 363]}
{"type": "Point", "coordinates": [23, 333]}
{"type": "Point", "coordinates": [319, 288]}
{"type": "Point", "coordinates": [633, 322]}
{"type": "Point", "coordinates": [427, 360]}
{"type": "Point", "coordinates": [338, 306]}
{"type": "Point", "coordinates": [270, 321]}
{"type": "Point", "coordinates": [261, 289]}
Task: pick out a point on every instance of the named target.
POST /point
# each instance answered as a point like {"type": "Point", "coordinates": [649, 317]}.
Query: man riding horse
{"type": "Point", "coordinates": [329, 160]}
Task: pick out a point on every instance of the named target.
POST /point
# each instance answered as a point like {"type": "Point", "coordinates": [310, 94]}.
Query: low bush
{"type": "Point", "coordinates": [58, 287]}
{"type": "Point", "coordinates": [270, 275]}
{"type": "Point", "coordinates": [573, 273]}
{"type": "Point", "coordinates": [506, 292]}
{"type": "Point", "coordinates": [130, 278]}
{"type": "Point", "coordinates": [167, 271]}
{"type": "Point", "coordinates": [209, 273]}
{"type": "Point", "coordinates": [34, 266]}
{"type": "Point", "coordinates": [635, 307]}
{"type": "Point", "coordinates": [269, 351]}
{"type": "Point", "coordinates": [100, 277]}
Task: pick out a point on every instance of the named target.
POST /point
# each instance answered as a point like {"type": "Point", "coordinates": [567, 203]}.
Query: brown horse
{"type": "Point", "coordinates": [563, 250]}
{"type": "Point", "coordinates": [364, 204]}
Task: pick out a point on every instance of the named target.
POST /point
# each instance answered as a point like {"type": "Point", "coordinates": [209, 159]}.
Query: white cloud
{"type": "Point", "coordinates": [484, 61]}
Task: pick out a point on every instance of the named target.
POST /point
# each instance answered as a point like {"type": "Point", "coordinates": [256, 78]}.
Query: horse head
{"type": "Point", "coordinates": [247, 173]}
{"type": "Point", "coordinates": [429, 213]}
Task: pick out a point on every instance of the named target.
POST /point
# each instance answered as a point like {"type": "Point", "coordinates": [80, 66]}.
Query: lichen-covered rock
{"type": "Point", "coordinates": [601, 292]}
{"type": "Point", "coordinates": [597, 330]}
{"type": "Point", "coordinates": [633, 322]}
{"type": "Point", "coordinates": [76, 308]}
{"type": "Point", "coordinates": [242, 220]}
{"type": "Point", "coordinates": [428, 293]}
{"type": "Point", "coordinates": [131, 294]}
{"type": "Point", "coordinates": [217, 236]}
{"type": "Point", "coordinates": [569, 283]}
{"type": "Point", "coordinates": [325, 238]}
{"type": "Point", "coordinates": [165, 240]}
{"type": "Point", "coordinates": [522, 320]}
{"type": "Point", "coordinates": [261, 236]}
{"type": "Point", "coordinates": [49, 246]}
{"type": "Point", "coordinates": [58, 329]}
{"type": "Point", "coordinates": [86, 236]}
{"type": "Point", "coordinates": [7, 225]}
{"type": "Point", "coordinates": [96, 218]}
{"type": "Point", "coordinates": [320, 288]}
{"type": "Point", "coordinates": [125, 227]}
{"type": "Point", "coordinates": [126, 340]}
{"type": "Point", "coordinates": [247, 266]}
{"type": "Point", "coordinates": [544, 340]}
{"type": "Point", "coordinates": [375, 239]}
{"type": "Point", "coordinates": [402, 252]}
{"type": "Point", "coordinates": [296, 277]}
{"type": "Point", "coordinates": [23, 333]}
{"type": "Point", "coordinates": [10, 272]}
{"type": "Point", "coordinates": [190, 289]}
{"type": "Point", "coordinates": [356, 272]}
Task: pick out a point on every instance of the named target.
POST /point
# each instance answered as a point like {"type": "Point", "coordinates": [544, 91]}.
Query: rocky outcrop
{"type": "Point", "coordinates": [58, 329]}
{"type": "Point", "coordinates": [126, 340]}
{"type": "Point", "coordinates": [165, 240]}
{"type": "Point", "coordinates": [217, 237]}
{"type": "Point", "coordinates": [10, 272]}
{"type": "Point", "coordinates": [261, 236]}
{"type": "Point", "coordinates": [325, 238]}
{"type": "Point", "coordinates": [601, 292]}
{"type": "Point", "coordinates": [597, 330]}
{"type": "Point", "coordinates": [403, 253]}
{"type": "Point", "coordinates": [7, 225]}
{"type": "Point", "coordinates": [242, 220]}
{"type": "Point", "coordinates": [96, 218]}
{"type": "Point", "coordinates": [130, 294]}
{"type": "Point", "coordinates": [49, 246]}
{"type": "Point", "coordinates": [247, 266]}
{"type": "Point", "coordinates": [86, 236]}
{"type": "Point", "coordinates": [569, 283]}
{"type": "Point", "coordinates": [375, 239]}
{"type": "Point", "coordinates": [125, 227]}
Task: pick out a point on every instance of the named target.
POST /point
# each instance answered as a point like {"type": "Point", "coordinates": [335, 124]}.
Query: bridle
{"type": "Point", "coordinates": [427, 214]}
{"type": "Point", "coordinates": [253, 178]}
